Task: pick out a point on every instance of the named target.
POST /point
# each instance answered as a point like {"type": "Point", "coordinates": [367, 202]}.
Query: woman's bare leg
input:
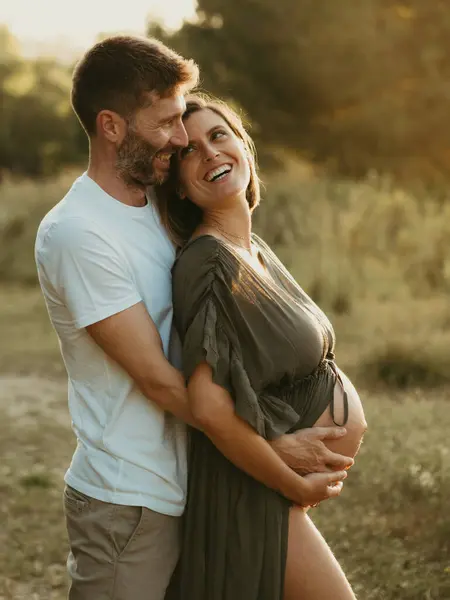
{"type": "Point", "coordinates": [312, 572]}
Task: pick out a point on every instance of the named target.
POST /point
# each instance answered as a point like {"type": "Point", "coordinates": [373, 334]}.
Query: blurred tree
{"type": "Point", "coordinates": [355, 85]}
{"type": "Point", "coordinates": [351, 85]}
{"type": "Point", "coordinates": [39, 133]}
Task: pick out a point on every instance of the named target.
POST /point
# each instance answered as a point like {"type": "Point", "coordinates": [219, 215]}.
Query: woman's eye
{"type": "Point", "coordinates": [217, 134]}
{"type": "Point", "coordinates": [185, 151]}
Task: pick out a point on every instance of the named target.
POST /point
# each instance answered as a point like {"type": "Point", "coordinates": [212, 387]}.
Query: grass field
{"type": "Point", "coordinates": [390, 528]}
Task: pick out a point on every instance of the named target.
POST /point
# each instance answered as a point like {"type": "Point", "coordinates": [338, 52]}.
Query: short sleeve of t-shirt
{"type": "Point", "coordinates": [85, 270]}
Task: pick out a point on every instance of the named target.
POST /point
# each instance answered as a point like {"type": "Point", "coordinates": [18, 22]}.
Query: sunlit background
{"type": "Point", "coordinates": [47, 26]}
{"type": "Point", "coordinates": [348, 103]}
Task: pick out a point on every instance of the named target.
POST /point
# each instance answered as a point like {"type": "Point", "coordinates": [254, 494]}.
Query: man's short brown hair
{"type": "Point", "coordinates": [119, 72]}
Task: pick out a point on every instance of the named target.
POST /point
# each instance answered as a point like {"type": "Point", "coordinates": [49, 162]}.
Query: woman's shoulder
{"type": "Point", "coordinates": [203, 267]}
{"type": "Point", "coordinates": [197, 252]}
{"type": "Point", "coordinates": [204, 255]}
{"type": "Point", "coordinates": [198, 246]}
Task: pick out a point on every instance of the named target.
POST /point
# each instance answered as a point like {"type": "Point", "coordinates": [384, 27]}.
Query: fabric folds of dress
{"type": "Point", "coordinates": [267, 345]}
{"type": "Point", "coordinates": [206, 340]}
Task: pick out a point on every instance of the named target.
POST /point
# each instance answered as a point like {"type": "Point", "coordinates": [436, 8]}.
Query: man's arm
{"type": "Point", "coordinates": [132, 340]}
{"type": "Point", "coordinates": [92, 278]}
{"type": "Point", "coordinates": [305, 452]}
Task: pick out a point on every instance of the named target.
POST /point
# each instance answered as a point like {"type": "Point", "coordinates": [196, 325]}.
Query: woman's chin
{"type": "Point", "coordinates": [226, 192]}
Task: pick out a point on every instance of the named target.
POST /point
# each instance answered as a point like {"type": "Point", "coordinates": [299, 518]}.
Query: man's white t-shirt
{"type": "Point", "coordinates": [97, 257]}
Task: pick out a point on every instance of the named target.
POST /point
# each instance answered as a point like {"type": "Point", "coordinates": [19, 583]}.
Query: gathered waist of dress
{"type": "Point", "coordinates": [305, 393]}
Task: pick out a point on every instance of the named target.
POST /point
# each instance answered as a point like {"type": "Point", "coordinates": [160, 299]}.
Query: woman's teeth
{"type": "Point", "coordinates": [217, 173]}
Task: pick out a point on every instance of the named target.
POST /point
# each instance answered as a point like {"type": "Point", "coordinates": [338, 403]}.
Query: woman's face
{"type": "Point", "coordinates": [214, 167]}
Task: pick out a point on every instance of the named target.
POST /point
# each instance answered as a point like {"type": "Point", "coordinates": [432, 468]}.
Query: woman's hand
{"type": "Point", "coordinates": [316, 487]}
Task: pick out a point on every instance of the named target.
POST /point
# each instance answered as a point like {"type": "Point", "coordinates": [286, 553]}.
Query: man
{"type": "Point", "coordinates": [104, 263]}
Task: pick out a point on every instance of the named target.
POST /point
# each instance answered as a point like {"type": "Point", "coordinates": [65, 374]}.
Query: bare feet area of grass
{"type": "Point", "coordinates": [390, 529]}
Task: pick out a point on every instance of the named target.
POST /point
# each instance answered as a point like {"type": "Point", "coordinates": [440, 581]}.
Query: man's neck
{"type": "Point", "coordinates": [107, 178]}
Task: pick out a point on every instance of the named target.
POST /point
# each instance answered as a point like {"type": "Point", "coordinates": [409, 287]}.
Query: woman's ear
{"type": "Point", "coordinates": [180, 193]}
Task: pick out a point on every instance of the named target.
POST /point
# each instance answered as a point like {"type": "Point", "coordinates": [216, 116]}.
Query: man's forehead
{"type": "Point", "coordinates": [167, 106]}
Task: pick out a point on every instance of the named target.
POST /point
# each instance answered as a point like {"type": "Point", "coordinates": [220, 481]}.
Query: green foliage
{"type": "Point", "coordinates": [366, 239]}
{"type": "Point", "coordinates": [406, 366]}
{"type": "Point", "coordinates": [342, 239]}
{"type": "Point", "coordinates": [39, 133]}
{"type": "Point", "coordinates": [353, 85]}
{"type": "Point", "coordinates": [33, 480]}
{"type": "Point", "coordinates": [22, 206]}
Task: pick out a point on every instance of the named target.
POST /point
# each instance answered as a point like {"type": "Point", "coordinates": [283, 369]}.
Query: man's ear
{"type": "Point", "coordinates": [111, 126]}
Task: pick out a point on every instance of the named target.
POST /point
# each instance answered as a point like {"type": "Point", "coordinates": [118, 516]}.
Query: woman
{"type": "Point", "coordinates": [258, 357]}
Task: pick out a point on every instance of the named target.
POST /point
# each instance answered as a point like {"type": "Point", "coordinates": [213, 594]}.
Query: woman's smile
{"type": "Point", "coordinates": [214, 156]}
{"type": "Point", "coordinates": [218, 173]}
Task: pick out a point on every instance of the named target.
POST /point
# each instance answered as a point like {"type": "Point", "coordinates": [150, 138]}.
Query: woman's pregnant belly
{"type": "Point", "coordinates": [356, 424]}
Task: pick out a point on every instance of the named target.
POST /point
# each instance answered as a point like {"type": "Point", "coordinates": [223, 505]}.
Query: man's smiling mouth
{"type": "Point", "coordinates": [164, 156]}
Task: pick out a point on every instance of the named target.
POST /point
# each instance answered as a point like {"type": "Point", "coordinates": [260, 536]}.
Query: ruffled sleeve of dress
{"type": "Point", "coordinates": [211, 310]}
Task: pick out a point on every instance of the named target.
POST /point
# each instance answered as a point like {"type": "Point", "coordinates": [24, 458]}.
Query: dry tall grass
{"type": "Point", "coordinates": [372, 254]}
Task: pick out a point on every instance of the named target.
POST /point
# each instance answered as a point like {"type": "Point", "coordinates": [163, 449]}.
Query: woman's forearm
{"type": "Point", "coordinates": [213, 408]}
{"type": "Point", "coordinates": [251, 453]}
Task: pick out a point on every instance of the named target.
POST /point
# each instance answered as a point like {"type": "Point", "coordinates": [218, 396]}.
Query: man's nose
{"type": "Point", "coordinates": [180, 139]}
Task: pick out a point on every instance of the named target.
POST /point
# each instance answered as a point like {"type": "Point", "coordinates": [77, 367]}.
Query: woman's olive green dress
{"type": "Point", "coordinates": [272, 348]}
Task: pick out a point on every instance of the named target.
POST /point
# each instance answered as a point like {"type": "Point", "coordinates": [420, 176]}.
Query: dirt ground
{"type": "Point", "coordinates": [390, 528]}
{"type": "Point", "coordinates": [35, 445]}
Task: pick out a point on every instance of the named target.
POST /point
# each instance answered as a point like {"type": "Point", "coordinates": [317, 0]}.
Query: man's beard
{"type": "Point", "coordinates": [134, 162]}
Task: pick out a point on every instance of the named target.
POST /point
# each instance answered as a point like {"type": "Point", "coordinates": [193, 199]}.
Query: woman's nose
{"type": "Point", "coordinates": [210, 152]}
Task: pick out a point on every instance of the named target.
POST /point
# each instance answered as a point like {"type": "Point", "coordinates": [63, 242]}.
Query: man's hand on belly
{"type": "Point", "coordinates": [305, 452]}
